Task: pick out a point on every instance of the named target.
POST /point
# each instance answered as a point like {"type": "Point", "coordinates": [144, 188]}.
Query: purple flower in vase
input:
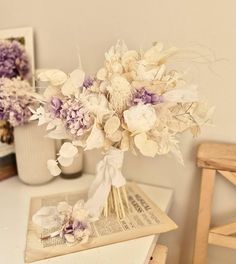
{"type": "Point", "coordinates": [88, 82]}
{"type": "Point", "coordinates": [14, 61]}
{"type": "Point", "coordinates": [146, 97]}
{"type": "Point", "coordinates": [55, 106]}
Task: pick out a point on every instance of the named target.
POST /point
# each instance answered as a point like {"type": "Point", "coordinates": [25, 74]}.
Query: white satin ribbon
{"type": "Point", "coordinates": [108, 174]}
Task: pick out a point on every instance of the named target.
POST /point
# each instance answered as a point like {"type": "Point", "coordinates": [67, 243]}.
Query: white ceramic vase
{"type": "Point", "coordinates": [33, 150]}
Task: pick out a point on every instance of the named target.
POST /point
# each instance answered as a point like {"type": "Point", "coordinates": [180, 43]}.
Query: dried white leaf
{"type": "Point", "coordinates": [153, 54]}
{"type": "Point", "coordinates": [69, 89]}
{"type": "Point", "coordinates": [50, 126]}
{"type": "Point", "coordinates": [176, 152]}
{"type": "Point", "coordinates": [69, 238]}
{"type": "Point", "coordinates": [160, 72]}
{"type": "Point", "coordinates": [58, 133]}
{"type": "Point", "coordinates": [51, 91]}
{"type": "Point", "coordinates": [47, 217]}
{"type": "Point", "coordinates": [112, 125]}
{"type": "Point", "coordinates": [203, 113]}
{"type": "Point", "coordinates": [65, 162]}
{"type": "Point", "coordinates": [102, 74]}
{"type": "Point", "coordinates": [146, 75]}
{"type": "Point", "coordinates": [146, 146]}
{"type": "Point", "coordinates": [54, 76]}
{"type": "Point", "coordinates": [77, 77]}
{"type": "Point", "coordinates": [184, 95]}
{"type": "Point", "coordinates": [53, 167]}
{"type": "Point", "coordinates": [64, 208]}
{"type": "Point", "coordinates": [95, 139]}
{"type": "Point", "coordinates": [116, 136]}
{"type": "Point", "coordinates": [68, 150]}
{"type": "Point", "coordinates": [124, 146]}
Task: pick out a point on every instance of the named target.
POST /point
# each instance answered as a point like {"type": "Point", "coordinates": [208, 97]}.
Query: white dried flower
{"type": "Point", "coordinates": [54, 76]}
{"type": "Point", "coordinates": [140, 118]}
{"type": "Point", "coordinates": [120, 92]}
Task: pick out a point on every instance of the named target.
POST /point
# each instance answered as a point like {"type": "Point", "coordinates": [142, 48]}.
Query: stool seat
{"type": "Point", "coordinates": [218, 156]}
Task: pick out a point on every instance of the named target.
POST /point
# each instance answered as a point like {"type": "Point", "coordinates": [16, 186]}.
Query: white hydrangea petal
{"type": "Point", "coordinates": [65, 162]}
{"type": "Point", "coordinates": [53, 167]}
{"type": "Point", "coordinates": [146, 146]}
{"type": "Point", "coordinates": [68, 150]}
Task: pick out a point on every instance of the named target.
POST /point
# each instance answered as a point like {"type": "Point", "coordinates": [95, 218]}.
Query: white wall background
{"type": "Point", "coordinates": [60, 26]}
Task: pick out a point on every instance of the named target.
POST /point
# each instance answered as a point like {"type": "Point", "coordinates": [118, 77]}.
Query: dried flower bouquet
{"type": "Point", "coordinates": [135, 102]}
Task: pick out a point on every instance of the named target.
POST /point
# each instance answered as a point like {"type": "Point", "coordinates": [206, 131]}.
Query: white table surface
{"type": "Point", "coordinates": [14, 209]}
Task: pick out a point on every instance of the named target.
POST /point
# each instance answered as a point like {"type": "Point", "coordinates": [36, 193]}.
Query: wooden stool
{"type": "Point", "coordinates": [212, 158]}
{"type": "Point", "coordinates": [159, 255]}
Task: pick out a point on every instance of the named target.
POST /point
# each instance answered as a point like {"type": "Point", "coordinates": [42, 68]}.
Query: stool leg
{"type": "Point", "coordinates": [204, 216]}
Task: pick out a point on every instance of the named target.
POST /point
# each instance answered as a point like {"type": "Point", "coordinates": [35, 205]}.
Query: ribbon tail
{"type": "Point", "coordinates": [97, 200]}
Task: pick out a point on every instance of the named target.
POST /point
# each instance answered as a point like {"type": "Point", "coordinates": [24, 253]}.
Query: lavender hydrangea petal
{"type": "Point", "coordinates": [146, 97]}
{"type": "Point", "coordinates": [88, 82]}
{"type": "Point", "coordinates": [75, 117]}
{"type": "Point", "coordinates": [14, 61]}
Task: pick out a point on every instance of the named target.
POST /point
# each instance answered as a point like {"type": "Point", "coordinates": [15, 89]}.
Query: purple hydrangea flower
{"type": "Point", "coordinates": [76, 117]}
{"type": "Point", "coordinates": [88, 82]}
{"type": "Point", "coordinates": [14, 61]}
{"type": "Point", "coordinates": [15, 109]}
{"type": "Point", "coordinates": [146, 97]}
{"type": "Point", "coordinates": [15, 102]}
{"type": "Point", "coordinates": [55, 106]}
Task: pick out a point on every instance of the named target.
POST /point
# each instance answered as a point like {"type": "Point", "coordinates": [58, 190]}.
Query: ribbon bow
{"type": "Point", "coordinates": [108, 174]}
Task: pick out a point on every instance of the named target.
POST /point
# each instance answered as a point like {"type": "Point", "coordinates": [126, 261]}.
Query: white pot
{"type": "Point", "coordinates": [33, 150]}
